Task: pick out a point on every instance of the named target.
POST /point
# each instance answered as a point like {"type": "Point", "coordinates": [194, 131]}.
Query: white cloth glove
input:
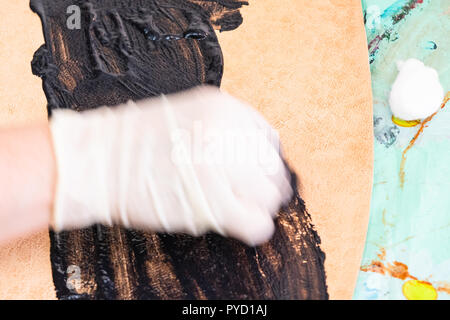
{"type": "Point", "coordinates": [191, 162]}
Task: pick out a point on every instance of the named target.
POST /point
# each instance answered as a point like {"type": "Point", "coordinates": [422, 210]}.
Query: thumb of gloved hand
{"type": "Point", "coordinates": [191, 162]}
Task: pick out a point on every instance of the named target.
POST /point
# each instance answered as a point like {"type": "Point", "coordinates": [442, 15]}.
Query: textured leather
{"type": "Point", "coordinates": [304, 65]}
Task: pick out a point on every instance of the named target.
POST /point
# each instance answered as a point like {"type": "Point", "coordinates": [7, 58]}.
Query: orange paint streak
{"type": "Point", "coordinates": [400, 271]}
{"type": "Point", "coordinates": [383, 220]}
{"type": "Point", "coordinates": [382, 254]}
{"type": "Point", "coordinates": [443, 287]}
{"type": "Point", "coordinates": [375, 266]}
{"type": "Point", "coordinates": [414, 139]}
{"type": "Point", "coordinates": [396, 269]}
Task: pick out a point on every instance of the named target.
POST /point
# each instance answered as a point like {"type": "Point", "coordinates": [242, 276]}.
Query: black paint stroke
{"type": "Point", "coordinates": [133, 49]}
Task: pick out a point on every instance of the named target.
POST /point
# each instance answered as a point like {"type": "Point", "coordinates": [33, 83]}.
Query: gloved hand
{"type": "Point", "coordinates": [191, 162]}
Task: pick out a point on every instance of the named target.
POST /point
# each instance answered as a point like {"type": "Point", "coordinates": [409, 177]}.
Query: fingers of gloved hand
{"type": "Point", "coordinates": [256, 171]}
{"type": "Point", "coordinates": [244, 220]}
{"type": "Point", "coordinates": [249, 223]}
{"type": "Point", "coordinates": [269, 193]}
{"type": "Point", "coordinates": [235, 137]}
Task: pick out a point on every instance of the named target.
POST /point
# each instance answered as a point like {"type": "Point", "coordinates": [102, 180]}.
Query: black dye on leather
{"type": "Point", "coordinates": [133, 50]}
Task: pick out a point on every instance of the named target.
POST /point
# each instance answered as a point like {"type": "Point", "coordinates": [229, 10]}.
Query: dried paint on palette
{"type": "Point", "coordinates": [387, 19]}
{"type": "Point", "coordinates": [412, 287]}
{"type": "Point", "coordinates": [409, 199]}
{"type": "Point", "coordinates": [150, 47]}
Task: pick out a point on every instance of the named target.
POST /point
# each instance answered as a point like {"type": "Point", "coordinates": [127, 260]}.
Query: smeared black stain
{"type": "Point", "coordinates": [133, 50]}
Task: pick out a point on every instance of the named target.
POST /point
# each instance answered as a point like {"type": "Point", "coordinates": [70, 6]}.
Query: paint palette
{"type": "Point", "coordinates": [407, 249]}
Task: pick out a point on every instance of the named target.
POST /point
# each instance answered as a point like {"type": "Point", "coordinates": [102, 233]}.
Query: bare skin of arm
{"type": "Point", "coordinates": [28, 174]}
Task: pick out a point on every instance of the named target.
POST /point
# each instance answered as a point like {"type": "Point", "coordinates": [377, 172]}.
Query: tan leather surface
{"type": "Point", "coordinates": [303, 64]}
{"type": "Point", "coordinates": [25, 271]}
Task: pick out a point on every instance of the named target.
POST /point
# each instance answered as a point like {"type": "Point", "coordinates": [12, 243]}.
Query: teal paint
{"type": "Point", "coordinates": [412, 224]}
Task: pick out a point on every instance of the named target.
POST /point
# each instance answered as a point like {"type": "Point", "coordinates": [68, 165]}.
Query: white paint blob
{"type": "Point", "coordinates": [417, 92]}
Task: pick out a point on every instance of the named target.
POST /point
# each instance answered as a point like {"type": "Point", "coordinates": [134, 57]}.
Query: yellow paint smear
{"type": "Point", "coordinates": [404, 123]}
{"type": "Point", "coordinates": [419, 290]}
